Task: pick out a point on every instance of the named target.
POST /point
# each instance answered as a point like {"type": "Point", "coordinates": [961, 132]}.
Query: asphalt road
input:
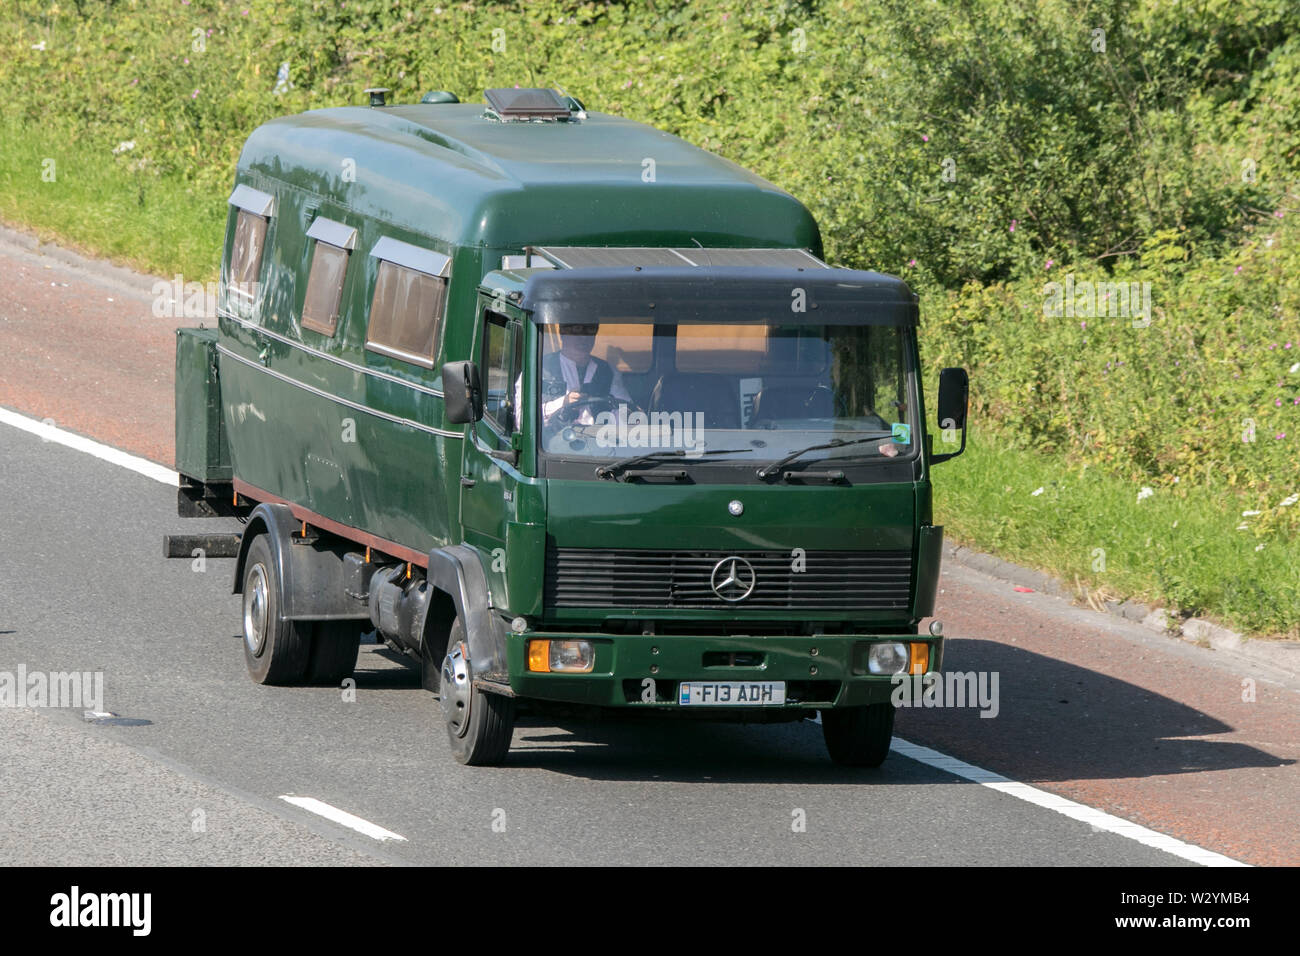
{"type": "Point", "coordinates": [87, 590]}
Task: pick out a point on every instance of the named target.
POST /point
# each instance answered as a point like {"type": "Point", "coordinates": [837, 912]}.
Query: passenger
{"type": "Point", "coordinates": [573, 375]}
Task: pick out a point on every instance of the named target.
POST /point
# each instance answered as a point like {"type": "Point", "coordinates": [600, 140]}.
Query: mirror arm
{"type": "Point", "coordinates": [935, 459]}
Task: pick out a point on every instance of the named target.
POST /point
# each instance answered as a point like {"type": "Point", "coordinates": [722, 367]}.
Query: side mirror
{"type": "Point", "coordinates": [461, 392]}
{"type": "Point", "coordinates": [954, 398]}
{"type": "Point", "coordinates": [954, 394]}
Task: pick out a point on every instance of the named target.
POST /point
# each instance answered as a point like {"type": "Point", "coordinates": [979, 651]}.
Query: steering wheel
{"type": "Point", "coordinates": [595, 403]}
{"type": "Point", "coordinates": [565, 416]}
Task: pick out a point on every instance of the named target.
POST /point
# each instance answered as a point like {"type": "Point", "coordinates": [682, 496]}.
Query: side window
{"type": "Point", "coordinates": [329, 266]}
{"type": "Point", "coordinates": [517, 378]}
{"type": "Point", "coordinates": [501, 366]}
{"type": "Point", "coordinates": [410, 297]}
{"type": "Point", "coordinates": [246, 256]}
{"type": "Point", "coordinates": [253, 210]}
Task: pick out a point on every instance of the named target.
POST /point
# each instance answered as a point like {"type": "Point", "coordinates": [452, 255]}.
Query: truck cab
{"type": "Point", "coordinates": [605, 466]}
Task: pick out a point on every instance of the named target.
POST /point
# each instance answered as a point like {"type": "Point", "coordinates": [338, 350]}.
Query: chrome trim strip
{"type": "Point", "coordinates": [394, 352]}
{"type": "Point", "coordinates": [395, 419]}
{"type": "Point", "coordinates": [429, 261]}
{"type": "Point", "coordinates": [253, 200]}
{"type": "Point", "coordinates": [352, 366]}
{"type": "Point", "coordinates": [334, 233]}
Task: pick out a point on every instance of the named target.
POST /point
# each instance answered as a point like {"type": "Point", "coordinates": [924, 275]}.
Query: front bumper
{"type": "Point", "coordinates": [820, 671]}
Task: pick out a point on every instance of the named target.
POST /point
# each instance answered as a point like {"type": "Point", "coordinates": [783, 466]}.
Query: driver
{"type": "Point", "coordinates": [574, 375]}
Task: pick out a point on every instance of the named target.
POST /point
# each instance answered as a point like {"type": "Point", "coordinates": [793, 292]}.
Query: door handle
{"type": "Point", "coordinates": [467, 482]}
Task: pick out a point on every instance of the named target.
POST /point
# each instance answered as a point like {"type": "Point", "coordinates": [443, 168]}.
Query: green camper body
{"type": "Point", "coordinates": [358, 446]}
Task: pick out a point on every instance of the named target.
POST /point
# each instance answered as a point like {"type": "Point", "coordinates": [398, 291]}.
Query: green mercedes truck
{"type": "Point", "coordinates": [571, 413]}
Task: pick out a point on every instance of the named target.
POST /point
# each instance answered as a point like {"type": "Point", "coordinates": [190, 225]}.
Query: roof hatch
{"type": "Point", "coordinates": [530, 104]}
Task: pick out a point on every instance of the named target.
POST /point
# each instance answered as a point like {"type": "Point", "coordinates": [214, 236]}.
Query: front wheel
{"type": "Point", "coordinates": [479, 725]}
{"type": "Point", "coordinates": [859, 736]}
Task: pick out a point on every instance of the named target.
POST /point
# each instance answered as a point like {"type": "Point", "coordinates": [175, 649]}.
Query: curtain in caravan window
{"type": "Point", "coordinates": [246, 255]}
{"type": "Point", "coordinates": [320, 309]}
{"type": "Point", "coordinates": [405, 312]}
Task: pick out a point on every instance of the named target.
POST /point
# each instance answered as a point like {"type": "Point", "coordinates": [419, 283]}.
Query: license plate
{"type": "Point", "coordinates": [731, 693]}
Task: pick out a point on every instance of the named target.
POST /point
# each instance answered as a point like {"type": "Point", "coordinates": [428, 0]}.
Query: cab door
{"type": "Point", "coordinates": [490, 462]}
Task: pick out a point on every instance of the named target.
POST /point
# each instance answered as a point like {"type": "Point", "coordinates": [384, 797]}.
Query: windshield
{"type": "Point", "coordinates": [736, 392]}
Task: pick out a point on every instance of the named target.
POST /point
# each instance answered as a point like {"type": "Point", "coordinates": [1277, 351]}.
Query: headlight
{"type": "Point", "coordinates": [887, 659]}
{"type": "Point", "coordinates": [566, 657]}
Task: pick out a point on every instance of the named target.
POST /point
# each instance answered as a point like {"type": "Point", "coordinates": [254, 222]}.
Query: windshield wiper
{"type": "Point", "coordinates": [612, 471]}
{"type": "Point", "coordinates": [772, 469]}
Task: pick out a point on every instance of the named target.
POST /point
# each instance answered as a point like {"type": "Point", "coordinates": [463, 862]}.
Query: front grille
{"type": "Point", "coordinates": [830, 580]}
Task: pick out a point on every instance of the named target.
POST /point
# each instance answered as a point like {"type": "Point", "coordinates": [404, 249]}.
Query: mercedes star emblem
{"type": "Point", "coordinates": [733, 579]}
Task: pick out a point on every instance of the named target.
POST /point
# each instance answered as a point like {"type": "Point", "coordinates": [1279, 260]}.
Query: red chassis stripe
{"type": "Point", "coordinates": [392, 548]}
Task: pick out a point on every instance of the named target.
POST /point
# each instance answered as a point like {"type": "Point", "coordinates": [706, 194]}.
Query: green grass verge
{"type": "Point", "coordinates": [1176, 548]}
{"type": "Point", "coordinates": [104, 205]}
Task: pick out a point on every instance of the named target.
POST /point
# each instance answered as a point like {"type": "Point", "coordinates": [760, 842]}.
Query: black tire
{"type": "Point", "coordinates": [859, 736]}
{"type": "Point", "coordinates": [275, 651]}
{"type": "Point", "coordinates": [334, 647]}
{"type": "Point", "coordinates": [482, 737]}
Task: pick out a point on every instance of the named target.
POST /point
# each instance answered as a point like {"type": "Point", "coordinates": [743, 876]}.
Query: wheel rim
{"type": "Point", "coordinates": [256, 597]}
{"type": "Point", "coordinates": [455, 691]}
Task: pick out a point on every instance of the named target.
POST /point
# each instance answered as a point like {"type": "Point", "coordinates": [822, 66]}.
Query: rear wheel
{"type": "Point", "coordinates": [859, 736]}
{"type": "Point", "coordinates": [275, 651]}
{"type": "Point", "coordinates": [479, 725]}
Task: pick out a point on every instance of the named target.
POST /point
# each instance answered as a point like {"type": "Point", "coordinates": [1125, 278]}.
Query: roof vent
{"type": "Point", "coordinates": [439, 96]}
{"type": "Point", "coordinates": [376, 94]}
{"type": "Point", "coordinates": [528, 104]}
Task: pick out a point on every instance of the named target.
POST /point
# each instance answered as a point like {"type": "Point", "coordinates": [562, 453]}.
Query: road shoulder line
{"type": "Point", "coordinates": [52, 433]}
{"type": "Point", "coordinates": [1098, 819]}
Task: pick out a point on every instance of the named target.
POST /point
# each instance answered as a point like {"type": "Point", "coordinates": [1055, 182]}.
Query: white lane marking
{"type": "Point", "coordinates": [343, 817]}
{"type": "Point", "coordinates": [141, 466]}
{"type": "Point", "coordinates": [933, 758]}
{"type": "Point", "coordinates": [1050, 801]}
